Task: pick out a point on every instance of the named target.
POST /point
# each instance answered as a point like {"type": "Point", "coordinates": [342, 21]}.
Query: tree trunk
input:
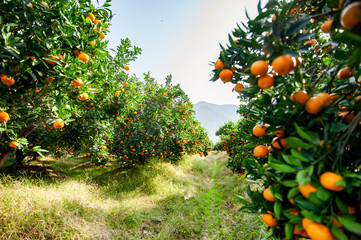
{"type": "Point", "coordinates": [20, 156]}
{"type": "Point", "coordinates": [24, 134]}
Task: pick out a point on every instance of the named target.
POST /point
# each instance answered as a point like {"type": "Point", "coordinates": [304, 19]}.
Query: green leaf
{"type": "Point", "coordinates": [290, 160]}
{"type": "Point", "coordinates": [294, 143]}
{"type": "Point", "coordinates": [250, 145]}
{"type": "Point", "coordinates": [350, 225]}
{"type": "Point", "coordinates": [299, 156]}
{"type": "Point", "coordinates": [323, 194]}
{"type": "Point", "coordinates": [304, 176]}
{"type": "Point", "coordinates": [307, 135]}
{"type": "Point", "coordinates": [310, 215]}
{"type": "Point", "coordinates": [241, 199]}
{"type": "Point", "coordinates": [289, 230]}
{"type": "Point", "coordinates": [277, 209]}
{"type": "Point", "coordinates": [307, 204]}
{"type": "Point", "coordinates": [341, 205]}
{"type": "Point", "coordinates": [289, 183]}
{"type": "Point", "coordinates": [293, 192]}
{"type": "Point", "coordinates": [337, 233]}
{"type": "Point", "coordinates": [282, 168]}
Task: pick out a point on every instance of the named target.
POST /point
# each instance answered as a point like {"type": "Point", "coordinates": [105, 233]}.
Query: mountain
{"type": "Point", "coordinates": [212, 116]}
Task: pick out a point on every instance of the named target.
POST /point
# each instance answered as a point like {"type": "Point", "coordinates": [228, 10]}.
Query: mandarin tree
{"type": "Point", "coordinates": [312, 108]}
{"type": "Point", "coordinates": [54, 59]}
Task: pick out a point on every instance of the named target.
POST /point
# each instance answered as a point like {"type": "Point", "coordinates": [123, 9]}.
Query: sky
{"type": "Point", "coordinates": [181, 38]}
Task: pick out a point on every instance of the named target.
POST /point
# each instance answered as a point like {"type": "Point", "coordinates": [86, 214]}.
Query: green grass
{"type": "Point", "coordinates": [70, 199]}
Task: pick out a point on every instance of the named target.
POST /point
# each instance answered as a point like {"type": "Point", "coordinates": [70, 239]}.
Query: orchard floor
{"type": "Point", "coordinates": [71, 199]}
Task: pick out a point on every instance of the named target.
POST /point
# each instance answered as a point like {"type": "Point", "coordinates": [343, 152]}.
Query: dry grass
{"type": "Point", "coordinates": [73, 200]}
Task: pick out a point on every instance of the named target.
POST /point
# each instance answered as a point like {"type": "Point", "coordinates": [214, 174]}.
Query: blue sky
{"type": "Point", "coordinates": [180, 37]}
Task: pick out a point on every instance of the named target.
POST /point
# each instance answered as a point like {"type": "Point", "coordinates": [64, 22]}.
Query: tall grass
{"type": "Point", "coordinates": [68, 199]}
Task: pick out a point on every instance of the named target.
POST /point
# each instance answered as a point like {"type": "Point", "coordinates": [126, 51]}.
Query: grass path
{"type": "Point", "coordinates": [70, 199]}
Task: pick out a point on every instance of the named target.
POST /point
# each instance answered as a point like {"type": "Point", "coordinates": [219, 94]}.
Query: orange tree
{"type": "Point", "coordinates": [299, 64]}
{"type": "Point", "coordinates": [52, 56]}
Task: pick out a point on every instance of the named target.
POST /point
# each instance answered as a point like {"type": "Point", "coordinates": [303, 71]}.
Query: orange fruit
{"type": "Point", "coordinates": [279, 143]}
{"type": "Point", "coordinates": [76, 53]}
{"type": "Point", "coordinates": [91, 17]}
{"type": "Point", "coordinates": [351, 15]}
{"type": "Point", "coordinates": [296, 230]}
{"type": "Point", "coordinates": [102, 36]}
{"type": "Point", "coordinates": [318, 231]}
{"type": "Point", "coordinates": [307, 189]}
{"type": "Point", "coordinates": [280, 133]}
{"type": "Point", "coordinates": [259, 131]}
{"type": "Point", "coordinates": [116, 94]}
{"type": "Point", "coordinates": [238, 88]}
{"type": "Point", "coordinates": [4, 116]}
{"type": "Point", "coordinates": [218, 64]}
{"type": "Point", "coordinates": [265, 81]}
{"type": "Point", "coordinates": [326, 26]}
{"type": "Point", "coordinates": [269, 219]}
{"type": "Point", "coordinates": [300, 97]}
{"type": "Point", "coordinates": [126, 68]}
{"type": "Point", "coordinates": [58, 124]}
{"type": "Point", "coordinates": [226, 75]}
{"type": "Point", "coordinates": [83, 96]}
{"type": "Point", "coordinates": [125, 84]}
{"type": "Point", "coordinates": [8, 81]}
{"type": "Point", "coordinates": [306, 222]}
{"type": "Point", "coordinates": [13, 144]}
{"type": "Point", "coordinates": [83, 57]}
{"type": "Point", "coordinates": [314, 105]}
{"type": "Point", "coordinates": [259, 68]}
{"type": "Point", "coordinates": [261, 151]}
{"type": "Point", "coordinates": [284, 64]}
{"type": "Point", "coordinates": [44, 4]}
{"type": "Point", "coordinates": [50, 79]}
{"type": "Point", "coordinates": [267, 195]}
{"type": "Point", "coordinates": [326, 98]}
{"type": "Point", "coordinates": [92, 43]}
{"type": "Point", "coordinates": [345, 73]}
{"type": "Point", "coordinates": [78, 82]}
{"type": "Point", "coordinates": [49, 61]}
{"type": "Point", "coordinates": [328, 180]}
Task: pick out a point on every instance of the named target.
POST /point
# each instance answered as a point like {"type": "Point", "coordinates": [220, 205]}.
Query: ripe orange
{"type": "Point", "coordinates": [300, 97]}
{"type": "Point", "coordinates": [259, 131]}
{"type": "Point", "coordinates": [269, 220]}
{"type": "Point", "coordinates": [238, 88]}
{"type": "Point", "coordinates": [78, 82]}
{"type": "Point", "coordinates": [4, 116]}
{"type": "Point", "coordinates": [314, 105]}
{"type": "Point", "coordinates": [279, 143]}
{"type": "Point", "coordinates": [326, 26]}
{"type": "Point", "coordinates": [49, 61]}
{"type": "Point", "coordinates": [92, 43]}
{"type": "Point", "coordinates": [259, 68]}
{"type": "Point", "coordinates": [116, 94]}
{"type": "Point", "coordinates": [50, 79]}
{"type": "Point", "coordinates": [326, 98]}
{"type": "Point", "coordinates": [307, 189]}
{"type": "Point", "coordinates": [318, 231]}
{"type": "Point", "coordinates": [345, 73]}
{"type": "Point", "coordinates": [76, 53]}
{"type": "Point", "coordinates": [306, 222]}
{"type": "Point", "coordinates": [226, 75]}
{"type": "Point", "coordinates": [8, 81]}
{"type": "Point", "coordinates": [265, 81]}
{"type": "Point", "coordinates": [13, 144]}
{"type": "Point", "coordinates": [280, 133]}
{"type": "Point", "coordinates": [261, 151]}
{"type": "Point", "coordinates": [351, 15]}
{"type": "Point", "coordinates": [83, 96]}
{"type": "Point", "coordinates": [218, 64]}
{"type": "Point", "coordinates": [83, 57]}
{"type": "Point", "coordinates": [284, 64]}
{"type": "Point", "coordinates": [91, 17]}
{"type": "Point", "coordinates": [126, 68]}
{"type": "Point", "coordinates": [102, 36]}
{"type": "Point", "coordinates": [267, 195]}
{"type": "Point", "coordinates": [58, 124]}
{"type": "Point", "coordinates": [328, 180]}
{"type": "Point", "coordinates": [125, 84]}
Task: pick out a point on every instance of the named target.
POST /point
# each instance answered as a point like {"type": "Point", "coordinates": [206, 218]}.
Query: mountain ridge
{"type": "Point", "coordinates": [212, 116]}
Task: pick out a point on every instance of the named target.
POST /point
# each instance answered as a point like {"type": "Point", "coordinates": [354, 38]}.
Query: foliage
{"type": "Point", "coordinates": [320, 138]}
